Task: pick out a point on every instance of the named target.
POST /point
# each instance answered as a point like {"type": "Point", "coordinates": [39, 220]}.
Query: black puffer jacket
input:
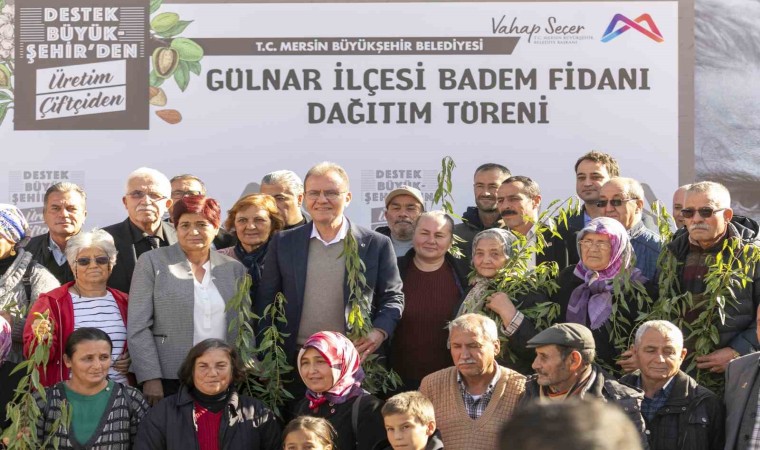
{"type": "Point", "coordinates": [738, 332]}
{"type": "Point", "coordinates": [606, 388]}
{"type": "Point", "coordinates": [692, 418]}
{"type": "Point", "coordinates": [247, 424]}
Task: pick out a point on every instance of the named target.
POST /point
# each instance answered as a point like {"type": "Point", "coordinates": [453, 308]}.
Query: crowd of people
{"type": "Point", "coordinates": [508, 330]}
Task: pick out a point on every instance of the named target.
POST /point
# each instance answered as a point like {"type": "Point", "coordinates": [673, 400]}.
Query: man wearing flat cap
{"type": "Point", "coordinates": [565, 368]}
{"type": "Point", "coordinates": [402, 208]}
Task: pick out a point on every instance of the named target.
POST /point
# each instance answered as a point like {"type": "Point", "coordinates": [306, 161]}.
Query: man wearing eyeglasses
{"type": "Point", "coordinates": [147, 197]}
{"type": "Point", "coordinates": [186, 184]}
{"type": "Point", "coordinates": [622, 199]}
{"type": "Point", "coordinates": [308, 265]}
{"type": "Point", "coordinates": [709, 223]}
{"type": "Point", "coordinates": [485, 214]}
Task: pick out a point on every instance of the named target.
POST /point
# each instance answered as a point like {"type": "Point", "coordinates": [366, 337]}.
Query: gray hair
{"type": "Point", "coordinates": [631, 188]}
{"type": "Point", "coordinates": [477, 324]}
{"type": "Point", "coordinates": [505, 237]}
{"type": "Point", "coordinates": [438, 215]}
{"type": "Point", "coordinates": [96, 238]}
{"type": "Point", "coordinates": [187, 176]}
{"type": "Point", "coordinates": [665, 328]}
{"type": "Point", "coordinates": [324, 168]}
{"type": "Point", "coordinates": [285, 177]}
{"type": "Point", "coordinates": [63, 187]}
{"type": "Point", "coordinates": [163, 183]}
{"type": "Point", "coordinates": [717, 194]}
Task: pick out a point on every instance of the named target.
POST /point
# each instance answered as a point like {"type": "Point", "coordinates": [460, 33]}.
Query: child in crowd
{"type": "Point", "coordinates": [410, 423]}
{"type": "Point", "coordinates": [306, 432]}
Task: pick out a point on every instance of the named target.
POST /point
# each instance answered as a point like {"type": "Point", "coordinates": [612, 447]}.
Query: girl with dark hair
{"type": "Point", "coordinates": [306, 432]}
{"type": "Point", "coordinates": [207, 413]}
{"type": "Point", "coordinates": [104, 414]}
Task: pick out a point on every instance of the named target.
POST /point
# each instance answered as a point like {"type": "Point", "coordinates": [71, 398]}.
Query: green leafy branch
{"type": "Point", "coordinates": [6, 87]}
{"type": "Point", "coordinates": [24, 411]}
{"type": "Point", "coordinates": [377, 377]}
{"type": "Point", "coordinates": [264, 379]}
{"type": "Point", "coordinates": [444, 196]}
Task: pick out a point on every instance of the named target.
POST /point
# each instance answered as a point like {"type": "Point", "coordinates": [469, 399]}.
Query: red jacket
{"type": "Point", "coordinates": [58, 302]}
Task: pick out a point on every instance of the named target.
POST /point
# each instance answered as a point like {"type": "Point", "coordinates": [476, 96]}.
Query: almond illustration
{"type": "Point", "coordinates": [171, 116]}
{"type": "Point", "coordinates": [157, 96]}
{"type": "Point", "coordinates": [165, 61]}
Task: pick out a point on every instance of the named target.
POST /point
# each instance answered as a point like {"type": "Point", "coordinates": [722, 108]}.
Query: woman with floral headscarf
{"type": "Point", "coordinates": [329, 366]}
{"type": "Point", "coordinates": [604, 291]}
{"type": "Point", "coordinates": [21, 279]}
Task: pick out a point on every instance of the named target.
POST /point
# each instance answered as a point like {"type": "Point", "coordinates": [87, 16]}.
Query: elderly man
{"type": "Point", "coordinates": [488, 177]}
{"type": "Point", "coordinates": [476, 397]}
{"type": "Point", "coordinates": [678, 199]}
{"type": "Point", "coordinates": [402, 207]}
{"type": "Point", "coordinates": [147, 197]}
{"type": "Point", "coordinates": [186, 184]}
{"type": "Point", "coordinates": [622, 199]}
{"type": "Point", "coordinates": [434, 284]}
{"type": "Point", "coordinates": [709, 224]}
{"type": "Point", "coordinates": [743, 402]}
{"type": "Point", "coordinates": [308, 265]}
{"type": "Point", "coordinates": [679, 413]}
{"type": "Point", "coordinates": [64, 210]}
{"type": "Point", "coordinates": [287, 189]}
{"type": "Point", "coordinates": [564, 368]}
{"type": "Point", "coordinates": [519, 200]}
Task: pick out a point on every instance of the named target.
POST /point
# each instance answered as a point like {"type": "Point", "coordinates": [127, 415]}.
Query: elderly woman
{"type": "Point", "coordinates": [492, 249]}
{"type": "Point", "coordinates": [104, 414]}
{"type": "Point", "coordinates": [434, 283]}
{"type": "Point", "coordinates": [208, 413]}
{"type": "Point", "coordinates": [329, 366]}
{"type": "Point", "coordinates": [21, 279]}
{"type": "Point", "coordinates": [178, 297]}
{"type": "Point", "coordinates": [84, 302]}
{"type": "Point", "coordinates": [604, 291]}
{"type": "Point", "coordinates": [253, 220]}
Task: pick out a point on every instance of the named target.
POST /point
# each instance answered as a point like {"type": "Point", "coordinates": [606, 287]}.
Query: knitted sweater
{"type": "Point", "coordinates": [458, 430]}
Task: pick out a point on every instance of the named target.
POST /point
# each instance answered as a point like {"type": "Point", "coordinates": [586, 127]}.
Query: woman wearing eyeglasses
{"type": "Point", "coordinates": [84, 302]}
{"type": "Point", "coordinates": [604, 291]}
{"type": "Point", "coordinates": [179, 296]}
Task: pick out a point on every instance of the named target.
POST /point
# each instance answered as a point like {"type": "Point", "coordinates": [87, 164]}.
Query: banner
{"type": "Point", "coordinates": [232, 91]}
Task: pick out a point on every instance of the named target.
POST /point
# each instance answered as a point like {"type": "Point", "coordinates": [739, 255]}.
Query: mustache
{"type": "Point", "coordinates": [403, 221]}
{"type": "Point", "coordinates": [699, 226]}
{"type": "Point", "coordinates": [467, 361]}
{"type": "Point", "coordinates": [508, 212]}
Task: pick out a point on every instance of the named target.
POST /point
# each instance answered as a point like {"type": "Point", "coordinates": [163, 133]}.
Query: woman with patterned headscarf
{"type": "Point", "coordinates": [604, 291]}
{"type": "Point", "coordinates": [21, 279]}
{"type": "Point", "coordinates": [329, 366]}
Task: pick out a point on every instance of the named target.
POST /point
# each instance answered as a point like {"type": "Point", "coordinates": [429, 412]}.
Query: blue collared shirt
{"type": "Point", "coordinates": [650, 406]}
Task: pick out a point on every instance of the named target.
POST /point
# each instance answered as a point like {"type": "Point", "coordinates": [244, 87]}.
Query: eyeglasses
{"type": "Point", "coordinates": [99, 260]}
{"type": "Point", "coordinates": [587, 245]}
{"type": "Point", "coordinates": [139, 195]}
{"type": "Point", "coordinates": [614, 202]}
{"type": "Point", "coordinates": [182, 194]}
{"type": "Point", "coordinates": [329, 195]}
{"type": "Point", "coordinates": [705, 212]}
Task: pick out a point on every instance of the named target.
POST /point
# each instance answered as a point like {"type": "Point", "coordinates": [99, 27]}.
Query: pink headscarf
{"type": "Point", "coordinates": [343, 358]}
{"type": "Point", "coordinates": [5, 339]}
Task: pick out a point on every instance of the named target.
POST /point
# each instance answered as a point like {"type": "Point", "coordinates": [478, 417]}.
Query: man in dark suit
{"type": "Point", "coordinates": [147, 197]}
{"type": "Point", "coordinates": [186, 184]}
{"type": "Point", "coordinates": [519, 200]}
{"type": "Point", "coordinates": [308, 266]}
{"type": "Point", "coordinates": [64, 211]}
{"type": "Point", "coordinates": [741, 398]}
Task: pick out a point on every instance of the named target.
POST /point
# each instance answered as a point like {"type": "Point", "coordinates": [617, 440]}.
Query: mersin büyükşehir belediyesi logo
{"type": "Point", "coordinates": [652, 33]}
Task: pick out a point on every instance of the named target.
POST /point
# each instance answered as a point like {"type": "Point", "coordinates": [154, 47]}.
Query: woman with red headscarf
{"type": "Point", "coordinates": [329, 366]}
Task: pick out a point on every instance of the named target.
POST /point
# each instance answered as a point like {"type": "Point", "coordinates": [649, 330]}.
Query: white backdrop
{"type": "Point", "coordinates": [232, 138]}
